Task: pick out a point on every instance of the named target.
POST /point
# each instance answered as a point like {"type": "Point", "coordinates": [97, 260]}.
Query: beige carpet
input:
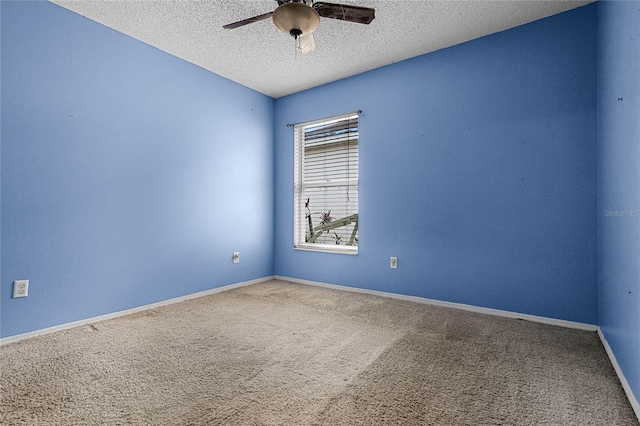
{"type": "Point", "coordinates": [285, 354]}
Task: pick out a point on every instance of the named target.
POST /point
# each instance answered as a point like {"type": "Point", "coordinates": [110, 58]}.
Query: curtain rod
{"type": "Point", "coordinates": [328, 118]}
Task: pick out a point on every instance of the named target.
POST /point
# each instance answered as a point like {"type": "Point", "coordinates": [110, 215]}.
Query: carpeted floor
{"type": "Point", "coordinates": [278, 353]}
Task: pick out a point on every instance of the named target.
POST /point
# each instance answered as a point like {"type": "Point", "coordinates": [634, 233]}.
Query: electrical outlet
{"type": "Point", "coordinates": [236, 257]}
{"type": "Point", "coordinates": [393, 262]}
{"type": "Point", "coordinates": [20, 288]}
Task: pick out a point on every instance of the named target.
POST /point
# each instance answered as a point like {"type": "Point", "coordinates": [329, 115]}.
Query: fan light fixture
{"type": "Point", "coordinates": [296, 19]}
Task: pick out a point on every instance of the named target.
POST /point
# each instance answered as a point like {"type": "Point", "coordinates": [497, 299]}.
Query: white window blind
{"type": "Point", "coordinates": [326, 184]}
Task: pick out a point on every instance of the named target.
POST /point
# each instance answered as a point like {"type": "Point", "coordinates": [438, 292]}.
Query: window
{"type": "Point", "coordinates": [326, 184]}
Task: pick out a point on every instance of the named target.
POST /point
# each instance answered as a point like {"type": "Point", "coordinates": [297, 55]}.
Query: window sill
{"type": "Point", "coordinates": [351, 250]}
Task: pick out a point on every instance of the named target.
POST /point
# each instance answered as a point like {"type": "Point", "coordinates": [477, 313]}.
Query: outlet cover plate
{"type": "Point", "coordinates": [20, 288]}
{"type": "Point", "coordinates": [393, 262]}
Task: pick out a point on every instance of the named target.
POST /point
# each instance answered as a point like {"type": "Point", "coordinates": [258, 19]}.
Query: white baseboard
{"type": "Point", "coordinates": [18, 337]}
{"type": "Point", "coordinates": [461, 306]}
{"type": "Point", "coordinates": [623, 380]}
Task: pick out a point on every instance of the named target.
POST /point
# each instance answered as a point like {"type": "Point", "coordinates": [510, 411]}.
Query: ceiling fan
{"type": "Point", "coordinates": [300, 18]}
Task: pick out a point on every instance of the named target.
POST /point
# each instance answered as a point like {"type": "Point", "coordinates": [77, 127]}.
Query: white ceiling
{"type": "Point", "coordinates": [262, 58]}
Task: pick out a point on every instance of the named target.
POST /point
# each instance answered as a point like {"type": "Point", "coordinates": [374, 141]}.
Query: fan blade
{"type": "Point", "coordinates": [247, 21]}
{"type": "Point", "coordinates": [361, 15]}
{"type": "Point", "coordinates": [307, 43]}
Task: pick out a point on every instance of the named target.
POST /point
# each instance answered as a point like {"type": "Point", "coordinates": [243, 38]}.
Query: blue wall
{"type": "Point", "coordinates": [128, 176]}
{"type": "Point", "coordinates": [477, 170]}
{"type": "Point", "coordinates": [619, 182]}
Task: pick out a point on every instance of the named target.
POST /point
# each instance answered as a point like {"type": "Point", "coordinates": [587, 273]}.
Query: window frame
{"type": "Point", "coordinates": [299, 186]}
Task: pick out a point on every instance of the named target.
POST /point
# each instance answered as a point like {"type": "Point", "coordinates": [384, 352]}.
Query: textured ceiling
{"type": "Point", "coordinates": [262, 58]}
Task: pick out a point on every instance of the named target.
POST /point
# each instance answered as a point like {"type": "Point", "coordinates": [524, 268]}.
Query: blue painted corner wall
{"type": "Point", "coordinates": [494, 170]}
{"type": "Point", "coordinates": [128, 176]}
{"type": "Point", "coordinates": [619, 182]}
{"type": "Point", "coordinates": [477, 170]}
